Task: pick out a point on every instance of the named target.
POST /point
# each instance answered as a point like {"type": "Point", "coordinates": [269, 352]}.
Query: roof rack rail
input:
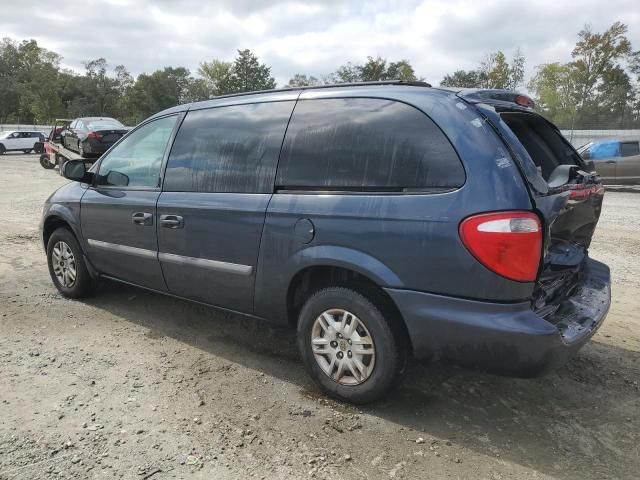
{"type": "Point", "coordinates": [416, 83]}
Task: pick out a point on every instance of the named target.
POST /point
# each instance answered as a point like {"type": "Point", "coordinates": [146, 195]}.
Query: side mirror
{"type": "Point", "coordinates": [75, 170]}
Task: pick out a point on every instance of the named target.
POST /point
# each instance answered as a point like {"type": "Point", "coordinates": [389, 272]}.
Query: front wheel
{"type": "Point", "coordinates": [67, 266]}
{"type": "Point", "coordinates": [348, 346]}
{"type": "Point", "coordinates": [2, 149]}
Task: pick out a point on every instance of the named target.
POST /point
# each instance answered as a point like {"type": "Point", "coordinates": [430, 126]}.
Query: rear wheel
{"type": "Point", "coordinates": [45, 163]}
{"type": "Point", "coordinates": [67, 266]}
{"type": "Point", "coordinates": [348, 346]}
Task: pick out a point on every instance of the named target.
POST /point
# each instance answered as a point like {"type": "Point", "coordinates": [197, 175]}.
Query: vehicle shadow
{"type": "Point", "coordinates": [572, 423]}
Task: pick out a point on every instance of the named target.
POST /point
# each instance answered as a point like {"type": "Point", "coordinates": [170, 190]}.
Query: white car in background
{"type": "Point", "coordinates": [25, 141]}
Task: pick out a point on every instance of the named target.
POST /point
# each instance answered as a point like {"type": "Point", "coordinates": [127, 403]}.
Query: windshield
{"type": "Point", "coordinates": [104, 124]}
{"type": "Point", "coordinates": [5, 134]}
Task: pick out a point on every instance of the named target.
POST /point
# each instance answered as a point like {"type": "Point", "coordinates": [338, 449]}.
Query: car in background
{"type": "Point", "coordinates": [92, 136]}
{"type": "Point", "coordinates": [616, 161]}
{"type": "Point", "coordinates": [25, 141]}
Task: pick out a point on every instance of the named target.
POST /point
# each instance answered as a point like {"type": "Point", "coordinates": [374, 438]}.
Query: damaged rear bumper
{"type": "Point", "coordinates": [509, 339]}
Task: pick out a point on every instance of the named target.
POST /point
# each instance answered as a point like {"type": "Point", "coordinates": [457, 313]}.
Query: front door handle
{"type": "Point", "coordinates": [171, 221]}
{"type": "Point", "coordinates": [142, 218]}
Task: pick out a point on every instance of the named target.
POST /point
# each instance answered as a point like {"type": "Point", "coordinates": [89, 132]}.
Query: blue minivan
{"type": "Point", "coordinates": [387, 222]}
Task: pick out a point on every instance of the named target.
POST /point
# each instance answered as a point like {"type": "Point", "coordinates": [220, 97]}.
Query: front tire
{"type": "Point", "coordinates": [67, 265]}
{"type": "Point", "coordinates": [2, 149]}
{"type": "Point", "coordinates": [348, 346]}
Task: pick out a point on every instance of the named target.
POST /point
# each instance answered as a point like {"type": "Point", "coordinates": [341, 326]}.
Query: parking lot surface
{"type": "Point", "coordinates": [132, 384]}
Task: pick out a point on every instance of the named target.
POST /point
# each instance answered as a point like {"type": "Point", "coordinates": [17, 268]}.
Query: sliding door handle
{"type": "Point", "coordinates": [142, 218]}
{"type": "Point", "coordinates": [171, 221]}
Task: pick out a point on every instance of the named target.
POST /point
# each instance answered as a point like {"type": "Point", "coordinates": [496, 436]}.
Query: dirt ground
{"type": "Point", "coordinates": [131, 384]}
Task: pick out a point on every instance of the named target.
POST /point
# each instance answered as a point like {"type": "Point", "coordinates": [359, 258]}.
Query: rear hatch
{"type": "Point", "coordinates": [566, 193]}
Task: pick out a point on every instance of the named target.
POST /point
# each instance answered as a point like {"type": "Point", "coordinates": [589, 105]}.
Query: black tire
{"type": "Point", "coordinates": [45, 163]}
{"type": "Point", "coordinates": [26, 151]}
{"type": "Point", "coordinates": [83, 284]}
{"type": "Point", "coordinates": [2, 149]}
{"type": "Point", "coordinates": [389, 352]}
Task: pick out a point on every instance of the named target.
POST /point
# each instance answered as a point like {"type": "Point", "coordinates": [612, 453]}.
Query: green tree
{"type": "Point", "coordinates": [161, 89]}
{"type": "Point", "coordinates": [248, 74]}
{"type": "Point", "coordinates": [347, 73]}
{"type": "Point", "coordinates": [302, 80]}
{"type": "Point", "coordinates": [493, 72]}
{"type": "Point", "coordinates": [595, 55]}
{"type": "Point", "coordinates": [402, 70]}
{"type": "Point", "coordinates": [595, 89]}
{"type": "Point", "coordinates": [9, 100]}
{"type": "Point", "coordinates": [554, 86]}
{"type": "Point", "coordinates": [462, 79]}
{"type": "Point", "coordinates": [217, 74]}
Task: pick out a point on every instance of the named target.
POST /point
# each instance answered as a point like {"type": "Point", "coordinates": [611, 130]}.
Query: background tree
{"type": "Point", "coordinates": [302, 80]}
{"type": "Point", "coordinates": [462, 79]}
{"type": "Point", "coordinates": [217, 74]}
{"type": "Point", "coordinates": [493, 72]}
{"type": "Point", "coordinates": [595, 88]}
{"type": "Point", "coordinates": [248, 74]}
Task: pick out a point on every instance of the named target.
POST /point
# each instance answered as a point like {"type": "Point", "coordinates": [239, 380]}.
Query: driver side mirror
{"type": "Point", "coordinates": [76, 170]}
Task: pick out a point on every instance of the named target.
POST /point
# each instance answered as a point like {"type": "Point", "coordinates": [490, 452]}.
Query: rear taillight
{"type": "Point", "coordinates": [94, 135]}
{"type": "Point", "coordinates": [525, 101]}
{"type": "Point", "coordinates": [507, 243]}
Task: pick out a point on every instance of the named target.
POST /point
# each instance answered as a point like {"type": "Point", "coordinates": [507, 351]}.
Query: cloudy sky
{"type": "Point", "coordinates": [311, 36]}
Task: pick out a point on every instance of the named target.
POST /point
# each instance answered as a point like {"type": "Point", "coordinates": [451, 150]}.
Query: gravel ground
{"type": "Point", "coordinates": [130, 384]}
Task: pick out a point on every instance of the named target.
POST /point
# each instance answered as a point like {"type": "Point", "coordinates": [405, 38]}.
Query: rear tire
{"type": "Point", "coordinates": [348, 346]}
{"type": "Point", "coordinates": [67, 266]}
{"type": "Point", "coordinates": [45, 163]}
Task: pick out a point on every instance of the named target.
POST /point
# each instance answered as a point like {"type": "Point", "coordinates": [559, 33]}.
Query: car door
{"type": "Point", "coordinates": [13, 141]}
{"type": "Point", "coordinates": [217, 185]}
{"type": "Point", "coordinates": [605, 156]}
{"type": "Point", "coordinates": [628, 166]}
{"type": "Point", "coordinates": [118, 213]}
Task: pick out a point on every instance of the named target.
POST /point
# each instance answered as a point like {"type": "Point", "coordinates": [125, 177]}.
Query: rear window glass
{"type": "Point", "coordinates": [368, 144]}
{"type": "Point", "coordinates": [629, 149]}
{"type": "Point", "coordinates": [104, 124]}
{"type": "Point", "coordinates": [228, 149]}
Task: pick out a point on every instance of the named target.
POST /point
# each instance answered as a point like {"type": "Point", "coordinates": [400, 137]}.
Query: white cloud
{"type": "Point", "coordinates": [313, 36]}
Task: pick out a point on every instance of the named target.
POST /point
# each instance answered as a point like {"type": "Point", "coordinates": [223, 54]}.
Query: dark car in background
{"type": "Point", "coordinates": [617, 161]}
{"type": "Point", "coordinates": [386, 222]}
{"type": "Point", "coordinates": [92, 136]}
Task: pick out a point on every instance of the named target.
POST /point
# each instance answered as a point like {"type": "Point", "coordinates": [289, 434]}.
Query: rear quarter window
{"type": "Point", "coordinates": [365, 144]}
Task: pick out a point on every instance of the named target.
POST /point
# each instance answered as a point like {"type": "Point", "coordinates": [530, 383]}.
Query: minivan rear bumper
{"type": "Point", "coordinates": [509, 339]}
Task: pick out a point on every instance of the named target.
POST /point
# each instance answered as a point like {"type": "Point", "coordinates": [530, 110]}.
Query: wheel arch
{"type": "Point", "coordinates": [313, 278]}
{"type": "Point", "coordinates": [59, 217]}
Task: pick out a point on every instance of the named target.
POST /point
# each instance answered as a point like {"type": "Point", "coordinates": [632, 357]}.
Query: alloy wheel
{"type": "Point", "coordinates": [64, 264]}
